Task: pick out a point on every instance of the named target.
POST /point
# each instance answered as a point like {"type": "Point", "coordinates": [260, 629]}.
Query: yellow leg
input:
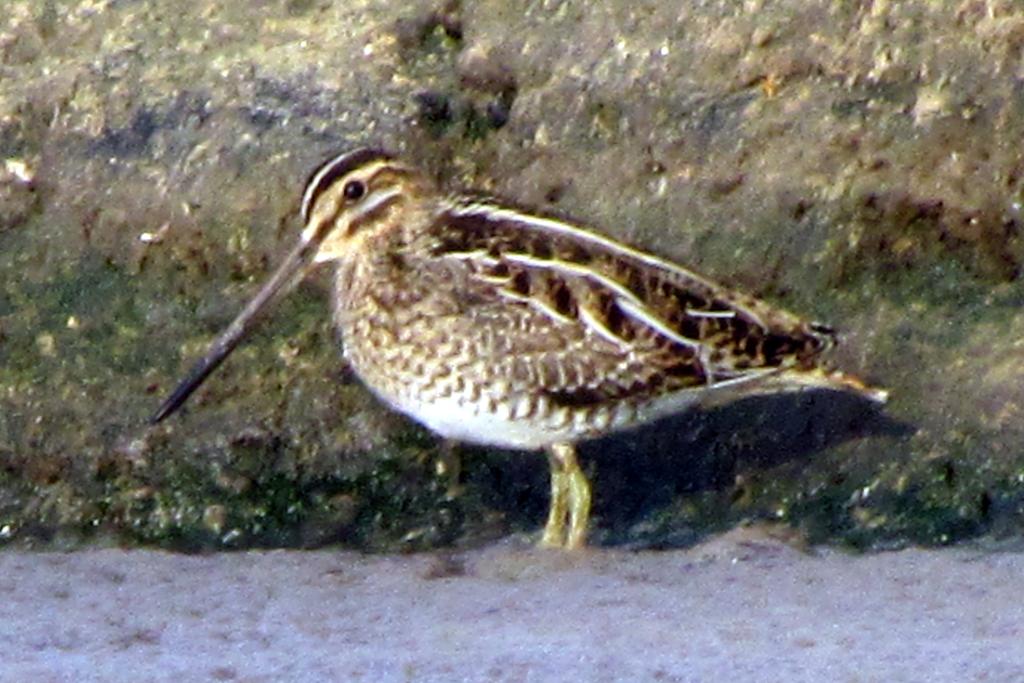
{"type": "Point", "coordinates": [570, 500]}
{"type": "Point", "coordinates": [579, 506]}
{"type": "Point", "coordinates": [554, 530]}
{"type": "Point", "coordinates": [449, 465]}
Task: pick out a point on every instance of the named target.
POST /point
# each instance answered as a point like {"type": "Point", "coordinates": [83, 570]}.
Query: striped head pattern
{"type": "Point", "coordinates": [352, 195]}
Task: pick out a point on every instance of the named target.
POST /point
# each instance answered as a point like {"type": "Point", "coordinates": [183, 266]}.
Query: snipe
{"type": "Point", "coordinates": [495, 326]}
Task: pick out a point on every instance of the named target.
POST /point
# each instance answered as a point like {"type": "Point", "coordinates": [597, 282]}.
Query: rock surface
{"type": "Point", "coordinates": [857, 163]}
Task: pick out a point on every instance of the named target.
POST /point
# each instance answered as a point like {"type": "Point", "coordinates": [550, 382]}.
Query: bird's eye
{"type": "Point", "coordinates": [354, 190]}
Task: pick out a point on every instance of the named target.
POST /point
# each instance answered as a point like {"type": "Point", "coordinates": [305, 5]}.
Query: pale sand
{"type": "Point", "coordinates": [743, 608]}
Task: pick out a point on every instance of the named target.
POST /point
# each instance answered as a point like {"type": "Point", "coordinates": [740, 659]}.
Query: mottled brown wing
{"type": "Point", "coordinates": [599, 321]}
{"type": "Point", "coordinates": [524, 342]}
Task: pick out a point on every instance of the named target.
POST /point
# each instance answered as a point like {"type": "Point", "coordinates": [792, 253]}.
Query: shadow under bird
{"type": "Point", "coordinates": [494, 326]}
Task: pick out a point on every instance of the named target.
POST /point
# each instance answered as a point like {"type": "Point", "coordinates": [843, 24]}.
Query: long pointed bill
{"type": "Point", "coordinates": [289, 274]}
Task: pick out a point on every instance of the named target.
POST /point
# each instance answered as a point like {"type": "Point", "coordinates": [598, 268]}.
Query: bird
{"type": "Point", "coordinates": [496, 325]}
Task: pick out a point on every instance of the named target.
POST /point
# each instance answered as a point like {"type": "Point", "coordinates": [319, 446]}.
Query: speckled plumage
{"type": "Point", "coordinates": [493, 325]}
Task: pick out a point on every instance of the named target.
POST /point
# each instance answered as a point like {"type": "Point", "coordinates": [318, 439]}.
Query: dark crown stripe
{"type": "Point", "coordinates": [337, 167]}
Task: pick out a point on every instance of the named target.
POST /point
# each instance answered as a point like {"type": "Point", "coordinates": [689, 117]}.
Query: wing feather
{"type": "Point", "coordinates": [648, 327]}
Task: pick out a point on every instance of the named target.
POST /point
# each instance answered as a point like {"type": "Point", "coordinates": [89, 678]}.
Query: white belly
{"type": "Point", "coordinates": [461, 420]}
{"type": "Point", "coordinates": [498, 424]}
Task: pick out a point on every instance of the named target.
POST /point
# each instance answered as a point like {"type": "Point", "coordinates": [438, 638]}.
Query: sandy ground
{"type": "Point", "coordinates": [737, 609]}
